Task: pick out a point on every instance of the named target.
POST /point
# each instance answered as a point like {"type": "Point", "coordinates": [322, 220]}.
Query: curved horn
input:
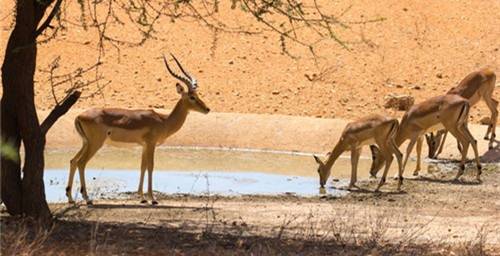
{"type": "Point", "coordinates": [184, 80]}
{"type": "Point", "coordinates": [193, 82]}
{"type": "Point", "coordinates": [180, 66]}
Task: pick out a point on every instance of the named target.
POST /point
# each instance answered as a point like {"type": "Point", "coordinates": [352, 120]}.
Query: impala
{"type": "Point", "coordinates": [144, 127]}
{"type": "Point", "coordinates": [371, 129]}
{"type": "Point", "coordinates": [449, 112]}
{"type": "Point", "coordinates": [476, 86]}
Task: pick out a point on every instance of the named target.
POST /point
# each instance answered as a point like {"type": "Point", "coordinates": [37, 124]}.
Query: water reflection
{"type": "Point", "coordinates": [111, 183]}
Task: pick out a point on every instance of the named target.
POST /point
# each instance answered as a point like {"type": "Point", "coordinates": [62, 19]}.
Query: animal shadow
{"type": "Point", "coordinates": [492, 155]}
{"type": "Point", "coordinates": [142, 206]}
{"type": "Point", "coordinates": [447, 181]}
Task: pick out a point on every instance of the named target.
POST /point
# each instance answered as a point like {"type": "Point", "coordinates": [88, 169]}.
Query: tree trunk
{"type": "Point", "coordinates": [11, 168]}
{"type": "Point", "coordinates": [19, 117]}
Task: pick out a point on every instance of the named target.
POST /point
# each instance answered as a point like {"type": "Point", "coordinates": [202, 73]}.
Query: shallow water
{"type": "Point", "coordinates": [110, 183]}
{"type": "Point", "coordinates": [200, 172]}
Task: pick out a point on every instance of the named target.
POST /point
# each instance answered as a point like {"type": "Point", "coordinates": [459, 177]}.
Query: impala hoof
{"type": "Point", "coordinates": [154, 202]}
{"type": "Point", "coordinates": [71, 202]}
{"type": "Point", "coordinates": [90, 202]}
{"type": "Point", "coordinates": [144, 201]}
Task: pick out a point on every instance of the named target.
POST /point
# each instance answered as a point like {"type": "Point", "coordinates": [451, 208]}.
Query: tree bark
{"type": "Point", "coordinates": [11, 168]}
{"type": "Point", "coordinates": [19, 117]}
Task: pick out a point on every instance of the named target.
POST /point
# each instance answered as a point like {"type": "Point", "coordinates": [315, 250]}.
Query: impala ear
{"type": "Point", "coordinates": [317, 159]}
{"type": "Point", "coordinates": [179, 87]}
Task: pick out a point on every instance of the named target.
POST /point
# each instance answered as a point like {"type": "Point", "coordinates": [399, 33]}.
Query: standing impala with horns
{"type": "Point", "coordinates": [145, 127]}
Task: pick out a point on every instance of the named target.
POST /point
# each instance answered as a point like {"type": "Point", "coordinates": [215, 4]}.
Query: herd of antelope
{"type": "Point", "coordinates": [445, 113]}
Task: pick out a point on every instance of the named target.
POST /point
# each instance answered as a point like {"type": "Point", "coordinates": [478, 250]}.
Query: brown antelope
{"type": "Point", "coordinates": [449, 112]}
{"type": "Point", "coordinates": [144, 127]}
{"type": "Point", "coordinates": [371, 129]}
{"type": "Point", "coordinates": [474, 87]}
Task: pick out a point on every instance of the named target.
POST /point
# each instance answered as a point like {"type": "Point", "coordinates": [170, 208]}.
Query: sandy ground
{"type": "Point", "coordinates": [432, 216]}
{"type": "Point", "coordinates": [432, 44]}
{"type": "Point", "coordinates": [433, 213]}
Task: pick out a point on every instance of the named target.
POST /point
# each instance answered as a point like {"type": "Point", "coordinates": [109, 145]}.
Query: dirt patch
{"type": "Point", "coordinates": [420, 49]}
{"type": "Point", "coordinates": [432, 216]}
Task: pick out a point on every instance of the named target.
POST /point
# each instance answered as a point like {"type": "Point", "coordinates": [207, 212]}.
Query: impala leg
{"type": "Point", "coordinates": [420, 140]}
{"type": "Point", "coordinates": [409, 149]}
{"type": "Point", "coordinates": [355, 153]}
{"type": "Point", "coordinates": [465, 148]}
{"type": "Point", "coordinates": [492, 105]}
{"type": "Point", "coordinates": [473, 142]}
{"type": "Point", "coordinates": [144, 164]}
{"type": "Point", "coordinates": [384, 149]}
{"type": "Point", "coordinates": [92, 148]}
{"type": "Point", "coordinates": [441, 145]}
{"type": "Point", "coordinates": [150, 161]}
{"type": "Point", "coordinates": [488, 131]}
{"type": "Point", "coordinates": [459, 146]}
{"type": "Point", "coordinates": [399, 158]}
{"type": "Point", "coordinates": [72, 171]}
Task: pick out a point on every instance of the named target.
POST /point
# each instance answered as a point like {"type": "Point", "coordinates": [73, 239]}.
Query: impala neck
{"type": "Point", "coordinates": [336, 152]}
{"type": "Point", "coordinates": [176, 118]}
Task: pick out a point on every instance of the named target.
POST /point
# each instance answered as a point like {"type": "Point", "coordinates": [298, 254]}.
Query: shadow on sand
{"type": "Point", "coordinates": [142, 206]}
{"type": "Point", "coordinates": [492, 155]}
{"type": "Point", "coordinates": [447, 181]}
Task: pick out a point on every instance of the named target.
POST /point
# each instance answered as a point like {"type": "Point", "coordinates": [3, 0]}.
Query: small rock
{"type": "Point", "coordinates": [399, 102]}
{"type": "Point", "coordinates": [231, 62]}
{"type": "Point", "coordinates": [416, 87]}
{"type": "Point", "coordinates": [275, 92]}
{"type": "Point", "coordinates": [439, 75]}
{"type": "Point", "coordinates": [405, 9]}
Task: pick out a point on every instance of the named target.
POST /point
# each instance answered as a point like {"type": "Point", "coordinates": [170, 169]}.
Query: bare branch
{"type": "Point", "coordinates": [51, 16]}
{"type": "Point", "coordinates": [59, 110]}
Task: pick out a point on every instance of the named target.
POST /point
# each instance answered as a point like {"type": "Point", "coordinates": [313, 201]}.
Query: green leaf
{"type": "Point", "coordinates": [8, 151]}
